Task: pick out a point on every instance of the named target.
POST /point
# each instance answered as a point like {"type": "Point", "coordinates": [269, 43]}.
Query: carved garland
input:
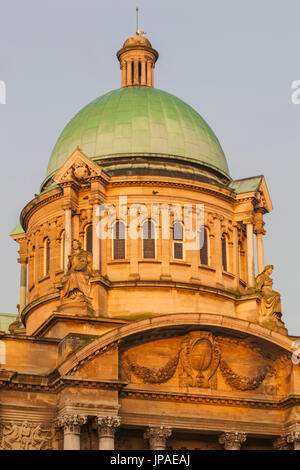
{"type": "Point", "coordinates": [151, 375]}
{"type": "Point", "coordinates": [244, 383]}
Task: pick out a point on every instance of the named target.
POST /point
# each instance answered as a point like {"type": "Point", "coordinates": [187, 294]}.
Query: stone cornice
{"type": "Point", "coordinates": [282, 403]}
{"type": "Point", "coordinates": [58, 316]}
{"type": "Point", "coordinates": [112, 338]}
{"type": "Point", "coordinates": [11, 380]}
{"type": "Point", "coordinates": [224, 193]}
{"type": "Point", "coordinates": [38, 202]}
{"type": "Point", "coordinates": [36, 303]}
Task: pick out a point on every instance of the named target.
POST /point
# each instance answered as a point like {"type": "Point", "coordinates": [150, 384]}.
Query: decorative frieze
{"type": "Point", "coordinates": [24, 436]}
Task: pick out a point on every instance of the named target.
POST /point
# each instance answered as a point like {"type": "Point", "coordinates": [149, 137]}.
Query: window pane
{"type": "Point", "coordinates": [119, 240]}
{"type": "Point", "coordinates": [203, 247]}
{"type": "Point", "coordinates": [47, 266]}
{"type": "Point", "coordinates": [177, 232]}
{"type": "Point", "coordinates": [178, 250]}
{"type": "Point", "coordinates": [89, 239]}
{"type": "Point", "coordinates": [148, 240]}
{"type": "Point", "coordinates": [224, 254]}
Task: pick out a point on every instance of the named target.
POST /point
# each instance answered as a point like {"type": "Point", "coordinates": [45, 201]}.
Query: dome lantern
{"type": "Point", "coordinates": [137, 61]}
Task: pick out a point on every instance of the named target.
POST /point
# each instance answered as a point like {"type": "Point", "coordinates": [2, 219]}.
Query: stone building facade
{"type": "Point", "coordinates": [129, 336]}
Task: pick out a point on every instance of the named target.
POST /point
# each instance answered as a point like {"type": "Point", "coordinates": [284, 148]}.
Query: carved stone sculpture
{"type": "Point", "coordinates": [24, 436]}
{"type": "Point", "coordinates": [270, 303]}
{"type": "Point", "coordinates": [75, 283]}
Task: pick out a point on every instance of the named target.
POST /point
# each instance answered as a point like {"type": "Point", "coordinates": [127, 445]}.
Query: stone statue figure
{"type": "Point", "coordinates": [79, 271]}
{"type": "Point", "coordinates": [270, 304]}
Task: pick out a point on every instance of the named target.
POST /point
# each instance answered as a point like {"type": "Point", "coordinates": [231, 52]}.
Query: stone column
{"type": "Point", "coordinates": [143, 78]}
{"type": "Point", "coordinates": [250, 254]}
{"type": "Point", "coordinates": [96, 240]}
{"type": "Point", "coordinates": [236, 257]}
{"type": "Point", "coordinates": [23, 283]}
{"type": "Point", "coordinates": [136, 73]}
{"type": "Point", "coordinates": [107, 426]}
{"type": "Point", "coordinates": [152, 75]}
{"type": "Point", "coordinates": [129, 72]}
{"type": "Point", "coordinates": [68, 235]}
{"type": "Point", "coordinates": [294, 438]}
{"type": "Point", "coordinates": [149, 73]}
{"type": "Point", "coordinates": [71, 424]}
{"type": "Point", "coordinates": [218, 250]}
{"type": "Point", "coordinates": [123, 76]}
{"type": "Point", "coordinates": [232, 440]}
{"type": "Point", "coordinates": [157, 437]}
{"type": "Point", "coordinates": [259, 231]}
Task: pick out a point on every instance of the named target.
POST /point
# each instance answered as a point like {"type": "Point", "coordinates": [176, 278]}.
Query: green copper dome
{"type": "Point", "coordinates": [139, 121]}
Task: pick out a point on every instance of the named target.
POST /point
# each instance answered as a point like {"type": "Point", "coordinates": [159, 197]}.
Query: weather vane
{"type": "Point", "coordinates": [138, 31]}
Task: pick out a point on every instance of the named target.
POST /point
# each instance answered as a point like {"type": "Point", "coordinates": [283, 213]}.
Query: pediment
{"type": "Point", "coordinates": [191, 358]}
{"type": "Point", "coordinates": [79, 169]}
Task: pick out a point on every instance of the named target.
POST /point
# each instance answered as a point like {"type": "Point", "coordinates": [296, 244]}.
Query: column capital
{"type": "Point", "coordinates": [293, 437]}
{"type": "Point", "coordinates": [232, 440]}
{"type": "Point", "coordinates": [107, 425]}
{"type": "Point", "coordinates": [259, 223]}
{"type": "Point", "coordinates": [248, 220]}
{"type": "Point", "coordinates": [281, 443]}
{"type": "Point", "coordinates": [71, 423]}
{"type": "Point", "coordinates": [157, 436]}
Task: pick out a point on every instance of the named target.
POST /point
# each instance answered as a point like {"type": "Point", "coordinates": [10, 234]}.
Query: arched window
{"type": "Point", "coordinates": [148, 239]}
{"type": "Point", "coordinates": [177, 240]}
{"type": "Point", "coordinates": [46, 256]}
{"type": "Point", "coordinates": [89, 238]}
{"type": "Point", "coordinates": [224, 253]}
{"type": "Point", "coordinates": [204, 246]}
{"type": "Point", "coordinates": [119, 240]}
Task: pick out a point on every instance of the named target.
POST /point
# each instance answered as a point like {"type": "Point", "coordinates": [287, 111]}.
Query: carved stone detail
{"type": "Point", "coordinates": [244, 383]}
{"type": "Point", "coordinates": [157, 436]}
{"type": "Point", "coordinates": [70, 423]}
{"type": "Point", "coordinates": [232, 440]}
{"type": "Point", "coordinates": [189, 374]}
{"type": "Point", "coordinates": [202, 375]}
{"type": "Point", "coordinates": [24, 436]}
{"type": "Point", "coordinates": [294, 438]}
{"type": "Point", "coordinates": [107, 425]}
{"type": "Point", "coordinates": [161, 375]}
{"type": "Point", "coordinates": [270, 305]}
{"type": "Point", "coordinates": [281, 443]}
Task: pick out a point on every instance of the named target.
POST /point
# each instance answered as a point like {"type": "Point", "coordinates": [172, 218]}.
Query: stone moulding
{"type": "Point", "coordinates": [173, 320]}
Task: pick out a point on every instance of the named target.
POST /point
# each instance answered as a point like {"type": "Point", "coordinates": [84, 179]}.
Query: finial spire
{"type": "Point", "coordinates": [138, 31]}
{"type": "Point", "coordinates": [137, 60]}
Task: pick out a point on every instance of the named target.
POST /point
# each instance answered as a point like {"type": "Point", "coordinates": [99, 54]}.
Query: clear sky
{"type": "Point", "coordinates": [233, 61]}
